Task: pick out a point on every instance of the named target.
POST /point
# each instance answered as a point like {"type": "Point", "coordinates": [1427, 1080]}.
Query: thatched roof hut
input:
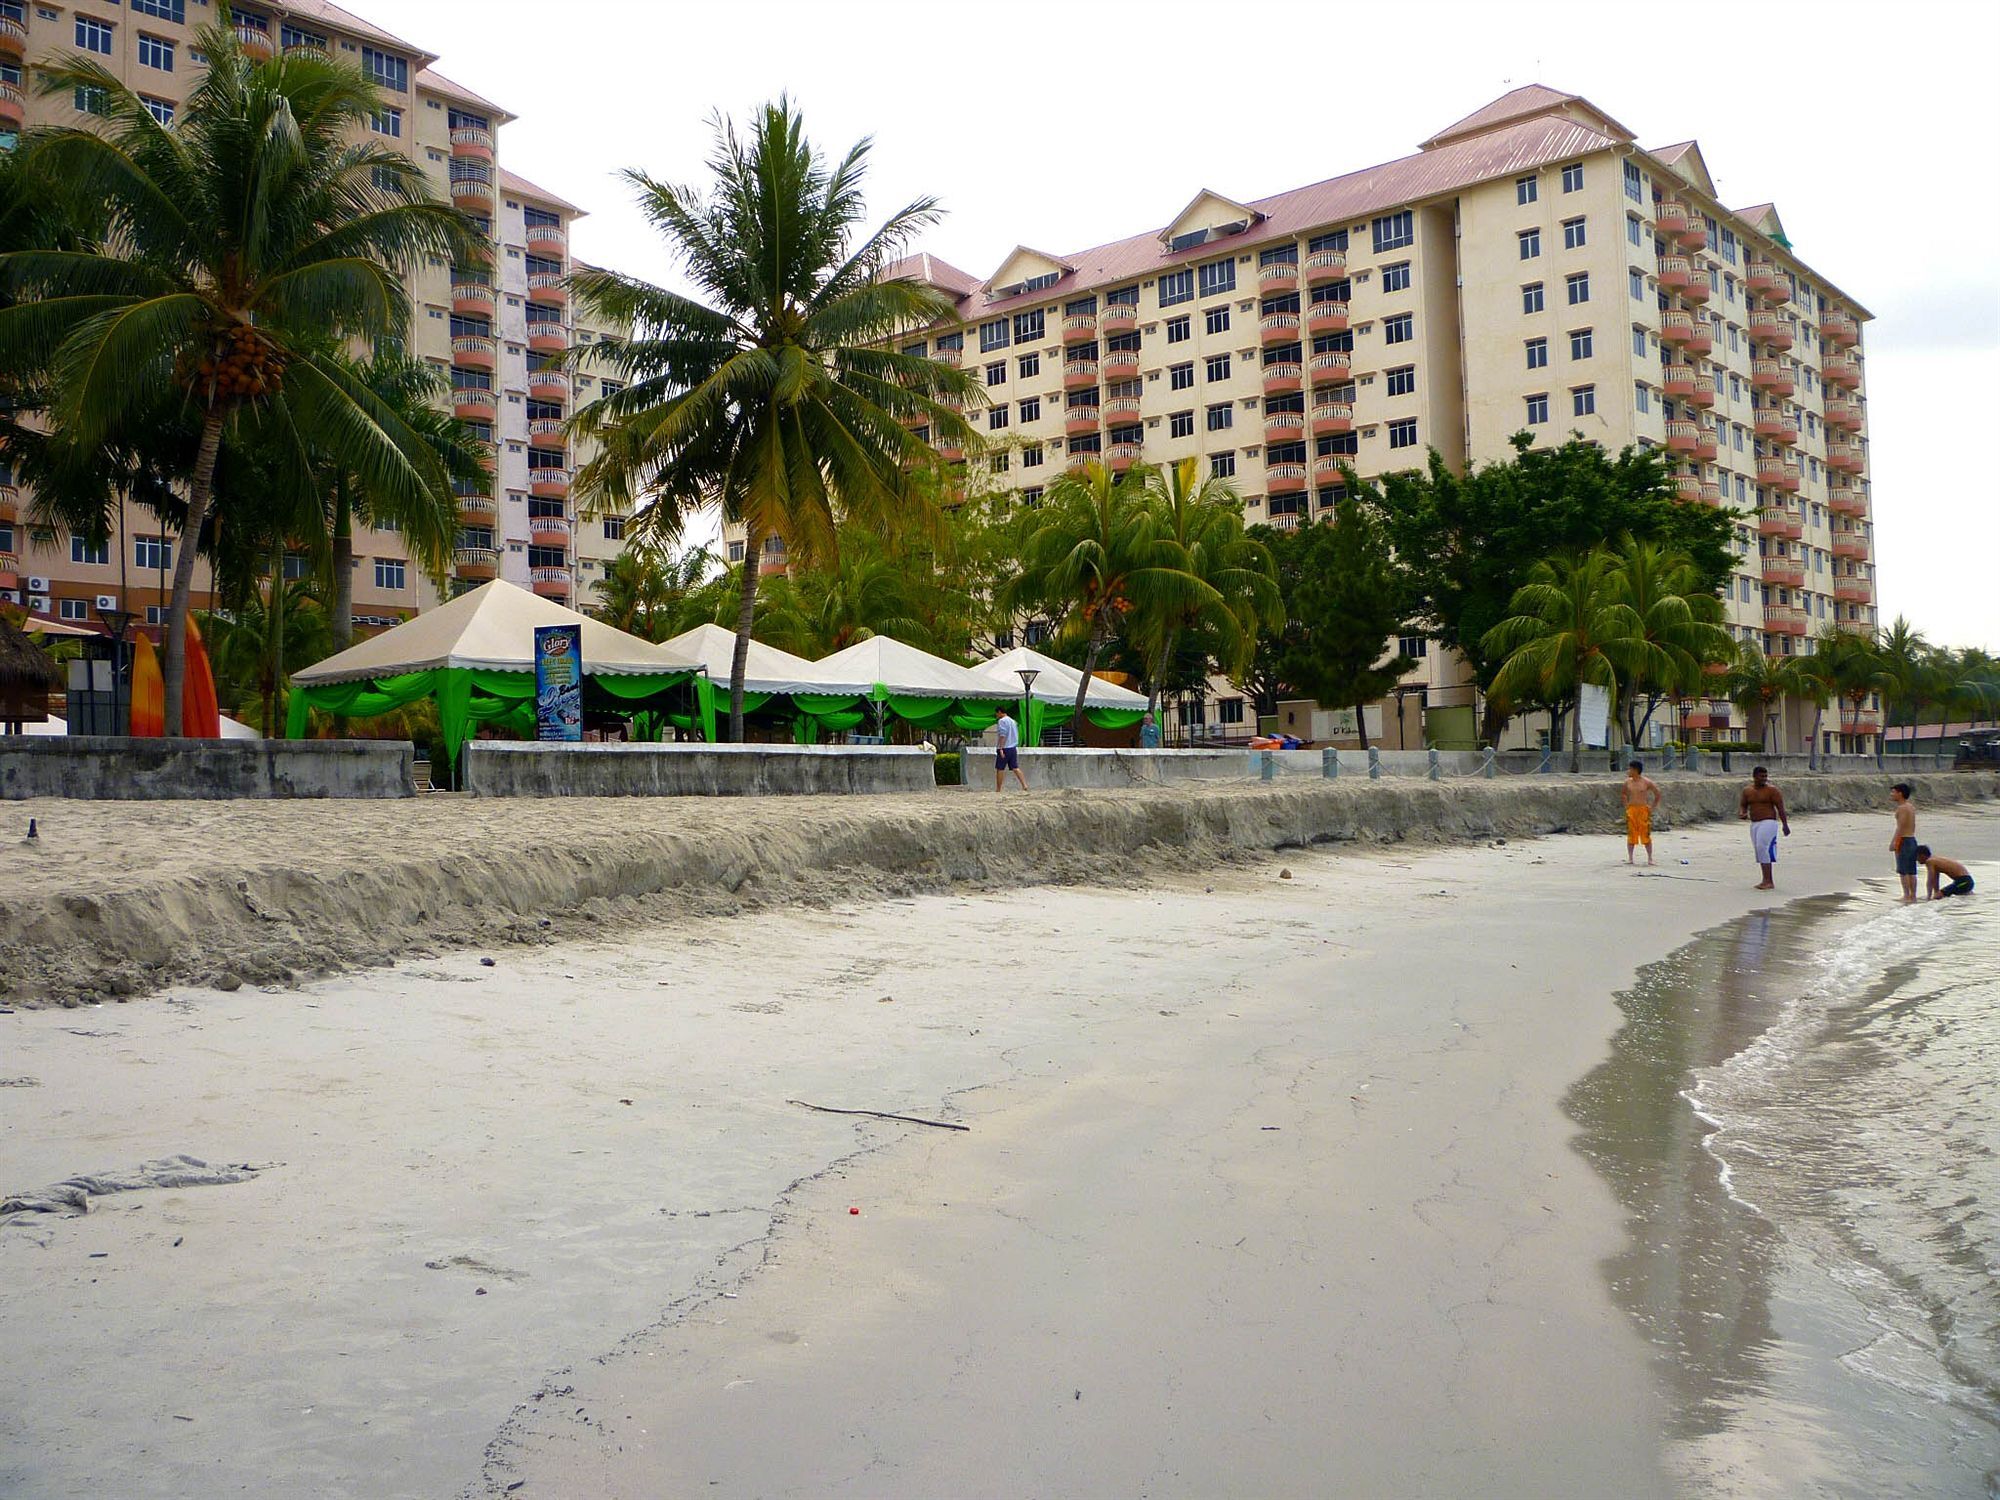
{"type": "Point", "coordinates": [27, 676]}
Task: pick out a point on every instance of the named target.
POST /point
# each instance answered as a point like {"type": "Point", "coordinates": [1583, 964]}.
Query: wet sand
{"type": "Point", "coordinates": [1267, 1190]}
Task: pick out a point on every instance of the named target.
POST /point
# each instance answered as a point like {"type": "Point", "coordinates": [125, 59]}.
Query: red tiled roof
{"type": "Point", "coordinates": [435, 82]}
{"type": "Point", "coordinates": [513, 182]}
{"type": "Point", "coordinates": [329, 14]}
{"type": "Point", "coordinates": [932, 272]}
{"type": "Point", "coordinates": [1529, 99]}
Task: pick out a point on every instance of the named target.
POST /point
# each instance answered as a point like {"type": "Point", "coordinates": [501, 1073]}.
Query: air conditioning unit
{"type": "Point", "coordinates": [38, 585]}
{"type": "Point", "coordinates": [39, 603]}
{"type": "Point", "coordinates": [10, 596]}
{"type": "Point", "coordinates": [107, 601]}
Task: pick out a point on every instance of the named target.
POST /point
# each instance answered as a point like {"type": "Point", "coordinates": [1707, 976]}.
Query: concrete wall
{"type": "Point", "coordinates": [498, 768]}
{"type": "Point", "coordinates": [120, 769]}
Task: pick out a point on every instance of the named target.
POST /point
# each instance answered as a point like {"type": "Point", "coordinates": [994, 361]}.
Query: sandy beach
{"type": "Point", "coordinates": [1267, 1189]}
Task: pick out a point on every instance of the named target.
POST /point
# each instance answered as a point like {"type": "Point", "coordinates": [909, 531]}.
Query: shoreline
{"type": "Point", "coordinates": [120, 899]}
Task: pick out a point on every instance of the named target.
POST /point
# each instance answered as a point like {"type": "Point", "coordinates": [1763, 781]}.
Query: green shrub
{"type": "Point", "coordinates": [950, 768]}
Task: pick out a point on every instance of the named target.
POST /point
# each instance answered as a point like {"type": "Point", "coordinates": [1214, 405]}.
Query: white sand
{"type": "Point", "coordinates": [1395, 1290]}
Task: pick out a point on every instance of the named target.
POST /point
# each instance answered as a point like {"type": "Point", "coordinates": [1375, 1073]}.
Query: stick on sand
{"type": "Point", "coordinates": [828, 1109]}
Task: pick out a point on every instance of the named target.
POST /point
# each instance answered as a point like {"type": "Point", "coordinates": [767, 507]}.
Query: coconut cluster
{"type": "Point", "coordinates": [242, 365]}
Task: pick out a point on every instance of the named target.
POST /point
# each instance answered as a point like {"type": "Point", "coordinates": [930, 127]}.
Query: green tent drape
{"type": "Point", "coordinates": [712, 701]}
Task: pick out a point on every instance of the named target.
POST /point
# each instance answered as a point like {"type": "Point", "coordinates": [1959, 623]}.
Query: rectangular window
{"type": "Point", "coordinates": [1639, 342]}
{"type": "Point", "coordinates": [1636, 280]}
{"type": "Point", "coordinates": [1221, 417]}
{"type": "Point", "coordinates": [1028, 366]}
{"type": "Point", "coordinates": [1642, 398]}
{"type": "Point", "coordinates": [1334, 239]}
{"type": "Point", "coordinates": [1180, 377]}
{"type": "Point", "coordinates": [1573, 234]}
{"type": "Point", "coordinates": [1218, 367]}
{"type": "Point", "coordinates": [1031, 410]}
{"type": "Point", "coordinates": [151, 554]}
{"type": "Point", "coordinates": [1538, 409]}
{"type": "Point", "coordinates": [1177, 286]}
{"type": "Point", "coordinates": [159, 109]}
{"type": "Point", "coordinates": [1581, 343]}
{"type": "Point", "coordinates": [1393, 231]}
{"type": "Point", "coordinates": [1399, 329]}
{"type": "Point", "coordinates": [1215, 320]}
{"type": "Point", "coordinates": [1217, 277]}
{"type": "Point", "coordinates": [1573, 177]}
{"type": "Point", "coordinates": [1401, 381]}
{"type": "Point", "coordinates": [1078, 307]}
{"type": "Point", "coordinates": [996, 418]}
{"type": "Point", "coordinates": [1531, 243]}
{"type": "Point", "coordinates": [1031, 456]}
{"type": "Point", "coordinates": [1395, 278]}
{"type": "Point", "coordinates": [389, 573]}
{"type": "Point", "coordinates": [996, 373]}
{"type": "Point", "coordinates": [156, 52]}
{"type": "Point", "coordinates": [1525, 190]}
{"type": "Point", "coordinates": [290, 36]}
{"type": "Point", "coordinates": [1583, 400]}
{"type": "Point", "coordinates": [93, 36]}
{"type": "Point", "coordinates": [1403, 433]}
{"type": "Point", "coordinates": [1028, 326]}
{"type": "Point", "coordinates": [1579, 287]}
{"type": "Point", "coordinates": [1179, 330]}
{"type": "Point", "coordinates": [614, 528]}
{"type": "Point", "coordinates": [1531, 297]}
{"type": "Point", "coordinates": [1634, 233]}
{"type": "Point", "coordinates": [1181, 424]}
{"type": "Point", "coordinates": [997, 334]}
{"type": "Point", "coordinates": [386, 121]}
{"type": "Point", "coordinates": [997, 463]}
{"type": "Point", "coordinates": [1222, 465]}
{"type": "Point", "coordinates": [73, 609]}
{"type": "Point", "coordinates": [1538, 353]}
{"type": "Point", "coordinates": [94, 553]}
{"type": "Point", "coordinates": [390, 71]}
{"type": "Point", "coordinates": [1729, 246]}
{"type": "Point", "coordinates": [166, 10]}
{"type": "Point", "coordinates": [1634, 189]}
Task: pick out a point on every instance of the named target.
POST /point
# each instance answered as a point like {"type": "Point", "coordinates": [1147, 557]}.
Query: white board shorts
{"type": "Point", "coordinates": [1764, 840]}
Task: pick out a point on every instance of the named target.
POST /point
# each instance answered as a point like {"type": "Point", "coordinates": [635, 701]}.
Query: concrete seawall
{"type": "Point", "coordinates": [499, 768]}
{"type": "Point", "coordinates": [267, 892]}
{"type": "Point", "coordinates": [122, 769]}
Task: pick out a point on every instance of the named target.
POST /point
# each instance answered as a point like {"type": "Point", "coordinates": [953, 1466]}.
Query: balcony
{"type": "Point", "coordinates": [1688, 487]}
{"type": "Point", "coordinates": [1711, 494]}
{"type": "Point", "coordinates": [553, 583]}
{"type": "Point", "coordinates": [10, 570]}
{"type": "Point", "coordinates": [1771, 329]}
{"type": "Point", "coordinates": [476, 563]}
{"type": "Point", "coordinates": [1686, 332]}
{"type": "Point", "coordinates": [1282, 379]}
{"type": "Point", "coordinates": [1703, 394]}
{"type": "Point", "coordinates": [1705, 442]}
{"type": "Point", "coordinates": [546, 237]}
{"type": "Point", "coordinates": [1680, 224]}
{"type": "Point", "coordinates": [1278, 278]}
{"type": "Point", "coordinates": [254, 42]}
{"type": "Point", "coordinates": [549, 484]}
{"type": "Point", "coordinates": [549, 289]}
{"type": "Point", "coordinates": [1284, 426]}
{"type": "Point", "coordinates": [1678, 380]}
{"type": "Point", "coordinates": [1785, 619]}
{"type": "Point", "coordinates": [1323, 266]}
{"type": "Point", "coordinates": [1079, 373]}
{"type": "Point", "coordinates": [1079, 328]}
{"type": "Point", "coordinates": [1683, 437]}
{"type": "Point", "coordinates": [949, 358]}
{"type": "Point", "coordinates": [13, 104]}
{"type": "Point", "coordinates": [548, 531]}
{"type": "Point", "coordinates": [1326, 468]}
{"type": "Point", "coordinates": [1777, 427]}
{"type": "Point", "coordinates": [471, 404]}
{"type": "Point", "coordinates": [1331, 418]}
{"type": "Point", "coordinates": [1765, 279]}
{"type": "Point", "coordinates": [1846, 457]}
{"type": "Point", "coordinates": [1850, 546]}
{"type": "Point", "coordinates": [470, 143]}
{"type": "Point", "coordinates": [1326, 317]}
{"type": "Point", "coordinates": [477, 510]}
{"type": "Point", "coordinates": [1121, 456]}
{"type": "Point", "coordinates": [472, 187]}
{"type": "Point", "coordinates": [1863, 721]}
{"type": "Point", "coordinates": [1771, 469]}
{"type": "Point", "coordinates": [1284, 479]}
{"type": "Point", "coordinates": [1278, 328]}
{"type": "Point", "coordinates": [1335, 367]}
{"type": "Point", "coordinates": [950, 451]}
{"type": "Point", "coordinates": [1854, 590]}
{"type": "Point", "coordinates": [1078, 420]}
{"type": "Point", "coordinates": [1118, 364]}
{"type": "Point", "coordinates": [548, 385]}
{"type": "Point", "coordinates": [13, 39]}
{"type": "Point", "coordinates": [10, 503]}
{"type": "Point", "coordinates": [1785, 572]}
{"type": "Point", "coordinates": [1122, 411]}
{"type": "Point", "coordinates": [475, 351]}
{"type": "Point", "coordinates": [1697, 291]}
{"type": "Point", "coordinates": [1772, 376]}
{"type": "Point", "coordinates": [1843, 371]}
{"type": "Point", "coordinates": [1116, 318]}
{"type": "Point", "coordinates": [1839, 330]}
{"type": "Point", "coordinates": [1080, 462]}
{"type": "Point", "coordinates": [1845, 500]}
{"type": "Point", "coordinates": [1843, 413]}
{"type": "Point", "coordinates": [1777, 521]}
{"type": "Point", "coordinates": [473, 299]}
{"type": "Point", "coordinates": [547, 432]}
{"type": "Point", "coordinates": [1676, 273]}
{"type": "Point", "coordinates": [548, 338]}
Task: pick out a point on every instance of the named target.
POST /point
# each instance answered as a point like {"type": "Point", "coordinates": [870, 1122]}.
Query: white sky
{"type": "Point", "coordinates": [1067, 125]}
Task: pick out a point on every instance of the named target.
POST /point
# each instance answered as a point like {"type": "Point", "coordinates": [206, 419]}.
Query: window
{"type": "Point", "coordinates": [996, 418]}
{"type": "Point", "coordinates": [1402, 381]}
{"type": "Point", "coordinates": [1031, 409]}
{"type": "Point", "coordinates": [151, 554]}
{"type": "Point", "coordinates": [1179, 330]}
{"type": "Point", "coordinates": [1538, 353]}
{"type": "Point", "coordinates": [996, 373]}
{"type": "Point", "coordinates": [90, 101]}
{"type": "Point", "coordinates": [1531, 297]}
{"type": "Point", "coordinates": [389, 573]}
{"type": "Point", "coordinates": [386, 121]}
{"type": "Point", "coordinates": [389, 71]}
{"type": "Point", "coordinates": [1181, 424]}
{"type": "Point", "coordinates": [614, 528]}
{"type": "Point", "coordinates": [1538, 409]}
{"type": "Point", "coordinates": [1573, 177]}
{"type": "Point", "coordinates": [290, 36]}
{"type": "Point", "coordinates": [1031, 456]}
{"type": "Point", "coordinates": [1395, 278]}
{"type": "Point", "coordinates": [1217, 277]}
{"type": "Point", "coordinates": [1222, 465]}
{"type": "Point", "coordinates": [93, 36]}
{"type": "Point", "coordinates": [1729, 246]}
{"type": "Point", "coordinates": [736, 552]}
{"type": "Point", "coordinates": [159, 109]}
{"type": "Point", "coordinates": [1579, 287]}
{"type": "Point", "coordinates": [73, 609]}
{"type": "Point", "coordinates": [1573, 234]}
{"type": "Point", "coordinates": [997, 463]}
{"type": "Point", "coordinates": [166, 10]}
{"type": "Point", "coordinates": [1399, 329]}
{"type": "Point", "coordinates": [1028, 326]}
{"type": "Point", "coordinates": [1393, 231]}
{"type": "Point", "coordinates": [1218, 367]}
{"type": "Point", "coordinates": [1636, 281]}
{"type": "Point", "coordinates": [1639, 342]}
{"type": "Point", "coordinates": [96, 553]}
{"type": "Point", "coordinates": [1078, 307]}
{"type": "Point", "coordinates": [1642, 398]}
{"type": "Point", "coordinates": [1525, 190]}
{"type": "Point", "coordinates": [1416, 647]}
{"type": "Point", "coordinates": [1531, 243]}
{"type": "Point", "coordinates": [995, 335]}
{"type": "Point", "coordinates": [1583, 400]}
{"type": "Point", "coordinates": [1215, 320]}
{"type": "Point", "coordinates": [1180, 377]}
{"type": "Point", "coordinates": [1634, 232]}
{"type": "Point", "coordinates": [1221, 417]}
{"type": "Point", "coordinates": [156, 52]}
{"type": "Point", "coordinates": [1177, 286]}
{"type": "Point", "coordinates": [1403, 433]}
{"type": "Point", "coordinates": [1334, 239]}
{"type": "Point", "coordinates": [1634, 189]}
{"type": "Point", "coordinates": [1028, 366]}
{"type": "Point", "coordinates": [1581, 343]}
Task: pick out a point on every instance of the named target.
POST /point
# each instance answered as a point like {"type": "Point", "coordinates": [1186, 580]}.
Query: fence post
{"type": "Point", "coordinates": [1725, 763]}
{"type": "Point", "coordinates": [1329, 763]}
{"type": "Point", "coordinates": [1548, 755]}
{"type": "Point", "coordinates": [1667, 758]}
{"type": "Point", "coordinates": [1435, 770]}
{"type": "Point", "coordinates": [1488, 765]}
{"type": "Point", "coordinates": [1694, 760]}
{"type": "Point", "coordinates": [1267, 766]}
{"type": "Point", "coordinates": [1374, 764]}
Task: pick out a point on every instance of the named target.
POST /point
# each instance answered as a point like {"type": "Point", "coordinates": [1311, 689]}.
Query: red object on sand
{"type": "Point", "coordinates": [201, 713]}
{"type": "Point", "coordinates": [854, 1210]}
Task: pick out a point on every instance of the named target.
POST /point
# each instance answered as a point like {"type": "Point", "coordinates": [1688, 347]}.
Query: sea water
{"type": "Point", "coordinates": [1801, 1116]}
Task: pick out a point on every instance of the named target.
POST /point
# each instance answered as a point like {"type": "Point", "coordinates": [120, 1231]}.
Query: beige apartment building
{"type": "Point", "coordinates": [1531, 267]}
{"type": "Point", "coordinates": [493, 330]}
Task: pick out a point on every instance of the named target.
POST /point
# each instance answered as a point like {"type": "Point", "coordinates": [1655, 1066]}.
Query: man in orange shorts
{"type": "Point", "coordinates": [1642, 795]}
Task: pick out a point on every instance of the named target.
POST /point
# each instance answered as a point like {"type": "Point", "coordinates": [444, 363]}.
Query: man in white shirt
{"type": "Point", "coordinates": [1007, 752]}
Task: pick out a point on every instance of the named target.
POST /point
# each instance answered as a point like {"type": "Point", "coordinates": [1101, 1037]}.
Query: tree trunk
{"type": "Point", "coordinates": [343, 567]}
{"type": "Point", "coordinates": [1160, 671]}
{"type": "Point", "coordinates": [1493, 723]}
{"type": "Point", "coordinates": [746, 616]}
{"type": "Point", "coordinates": [274, 638]}
{"type": "Point", "coordinates": [1576, 736]}
{"type": "Point", "coordinates": [1812, 750]}
{"type": "Point", "coordinates": [200, 487]}
{"type": "Point", "coordinates": [1083, 682]}
{"type": "Point", "coordinates": [1361, 721]}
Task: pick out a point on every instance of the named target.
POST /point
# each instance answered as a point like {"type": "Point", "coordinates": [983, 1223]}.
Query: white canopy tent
{"type": "Point", "coordinates": [1055, 681]}
{"type": "Point", "coordinates": [883, 668]}
{"type": "Point", "coordinates": [766, 669]}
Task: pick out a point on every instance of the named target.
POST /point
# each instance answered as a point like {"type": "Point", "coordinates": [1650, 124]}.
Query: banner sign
{"type": "Point", "coordinates": [1593, 706]}
{"type": "Point", "coordinates": [559, 682]}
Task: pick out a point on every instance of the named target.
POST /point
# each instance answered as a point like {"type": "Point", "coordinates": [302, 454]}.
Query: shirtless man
{"type": "Point", "coordinates": [1642, 795]}
{"type": "Point", "coordinates": [1762, 806]}
{"type": "Point", "coordinates": [1948, 876]}
{"type": "Point", "coordinates": [1903, 840]}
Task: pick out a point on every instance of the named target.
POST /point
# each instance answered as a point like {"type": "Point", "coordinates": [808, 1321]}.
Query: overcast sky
{"type": "Point", "coordinates": [1067, 125]}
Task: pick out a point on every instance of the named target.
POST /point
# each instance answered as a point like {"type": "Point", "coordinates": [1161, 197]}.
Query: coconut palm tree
{"type": "Point", "coordinates": [1570, 629]}
{"type": "Point", "coordinates": [1681, 630]}
{"type": "Point", "coordinates": [1906, 673]}
{"type": "Point", "coordinates": [1850, 665]}
{"type": "Point", "coordinates": [233, 247]}
{"type": "Point", "coordinates": [1760, 685]}
{"type": "Point", "coordinates": [652, 592]}
{"type": "Point", "coordinates": [269, 634]}
{"type": "Point", "coordinates": [1813, 685]}
{"type": "Point", "coordinates": [774, 388]}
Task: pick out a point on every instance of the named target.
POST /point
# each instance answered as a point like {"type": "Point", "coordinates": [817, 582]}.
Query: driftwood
{"type": "Point", "coordinates": [828, 1109]}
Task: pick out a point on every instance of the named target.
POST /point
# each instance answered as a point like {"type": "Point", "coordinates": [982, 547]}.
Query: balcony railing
{"type": "Point", "coordinates": [1323, 266]}
{"type": "Point", "coordinates": [13, 37]}
{"type": "Point", "coordinates": [1770, 329]}
{"type": "Point", "coordinates": [475, 557]}
{"type": "Point", "coordinates": [476, 505]}
{"type": "Point", "coordinates": [1122, 411]}
{"type": "Point", "coordinates": [475, 346]}
{"type": "Point", "coordinates": [1116, 364]}
{"type": "Point", "coordinates": [1079, 328]}
{"type": "Point", "coordinates": [1283, 426]}
{"type": "Point", "coordinates": [1849, 547]}
{"type": "Point", "coordinates": [1842, 371]}
{"type": "Point", "coordinates": [545, 234]}
{"type": "Point", "coordinates": [1278, 276]}
{"type": "Point", "coordinates": [549, 526]}
{"type": "Point", "coordinates": [1853, 590]}
{"type": "Point", "coordinates": [1122, 455]}
{"type": "Point", "coordinates": [550, 478]}
{"type": "Point", "coordinates": [1332, 368]}
{"type": "Point", "coordinates": [1681, 224]}
{"type": "Point", "coordinates": [1080, 418]}
{"type": "Point", "coordinates": [1327, 317]}
{"type": "Point", "coordinates": [1766, 280]}
{"type": "Point", "coordinates": [1286, 375]}
{"type": "Point", "coordinates": [1846, 457]}
{"type": "Point", "coordinates": [1332, 417]}
{"type": "Point", "coordinates": [1772, 375]}
{"type": "Point", "coordinates": [1284, 479]}
{"type": "Point", "coordinates": [548, 380]}
{"type": "Point", "coordinates": [1079, 371]}
{"type": "Point", "coordinates": [1786, 572]}
{"type": "Point", "coordinates": [1279, 328]}
{"type": "Point", "coordinates": [1785, 619]}
{"type": "Point", "coordinates": [1777, 427]}
{"type": "Point", "coordinates": [1675, 272]}
{"type": "Point", "coordinates": [1118, 317]}
{"type": "Point", "coordinates": [1839, 329]}
{"type": "Point", "coordinates": [546, 427]}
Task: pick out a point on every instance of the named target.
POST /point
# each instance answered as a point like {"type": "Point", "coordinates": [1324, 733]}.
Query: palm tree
{"type": "Point", "coordinates": [1681, 632]}
{"type": "Point", "coordinates": [1907, 674]}
{"type": "Point", "coordinates": [1094, 554]}
{"type": "Point", "coordinates": [1815, 686]}
{"type": "Point", "coordinates": [651, 592]}
{"type": "Point", "coordinates": [1570, 629]}
{"type": "Point", "coordinates": [862, 590]}
{"type": "Point", "coordinates": [234, 246]}
{"type": "Point", "coordinates": [269, 635]}
{"type": "Point", "coordinates": [1203, 517]}
{"type": "Point", "coordinates": [1760, 684]}
{"type": "Point", "coordinates": [774, 389]}
{"type": "Point", "coordinates": [1850, 665]}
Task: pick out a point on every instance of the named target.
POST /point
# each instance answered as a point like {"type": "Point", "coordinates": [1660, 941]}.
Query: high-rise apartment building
{"type": "Point", "coordinates": [494, 330]}
{"type": "Point", "coordinates": [1531, 268]}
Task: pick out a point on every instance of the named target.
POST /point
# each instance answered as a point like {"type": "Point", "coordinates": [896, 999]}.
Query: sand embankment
{"type": "Point", "coordinates": [119, 899]}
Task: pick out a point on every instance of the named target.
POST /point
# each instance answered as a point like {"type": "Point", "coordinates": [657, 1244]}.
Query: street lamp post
{"type": "Point", "coordinates": [1028, 676]}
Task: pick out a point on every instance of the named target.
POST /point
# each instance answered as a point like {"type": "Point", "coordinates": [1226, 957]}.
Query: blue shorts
{"type": "Point", "coordinates": [1959, 887]}
{"type": "Point", "coordinates": [1007, 758]}
{"type": "Point", "coordinates": [1906, 856]}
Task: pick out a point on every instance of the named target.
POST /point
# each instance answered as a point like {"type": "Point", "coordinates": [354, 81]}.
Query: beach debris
{"type": "Point", "coordinates": [73, 1194]}
{"type": "Point", "coordinates": [227, 982]}
{"type": "Point", "coordinates": [179, 1418]}
{"type": "Point", "coordinates": [886, 1000]}
{"type": "Point", "coordinates": [177, 1241]}
{"type": "Point", "coordinates": [852, 1209]}
{"type": "Point", "coordinates": [20, 1083]}
{"type": "Point", "coordinates": [479, 1291]}
{"type": "Point", "coordinates": [33, 832]}
{"type": "Point", "coordinates": [879, 1114]}
{"type": "Point", "coordinates": [624, 1101]}
{"type": "Point", "coordinates": [1284, 874]}
{"type": "Point", "coordinates": [485, 963]}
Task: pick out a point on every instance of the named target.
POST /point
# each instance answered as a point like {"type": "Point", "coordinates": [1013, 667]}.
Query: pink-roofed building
{"type": "Point", "coordinates": [1531, 267]}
